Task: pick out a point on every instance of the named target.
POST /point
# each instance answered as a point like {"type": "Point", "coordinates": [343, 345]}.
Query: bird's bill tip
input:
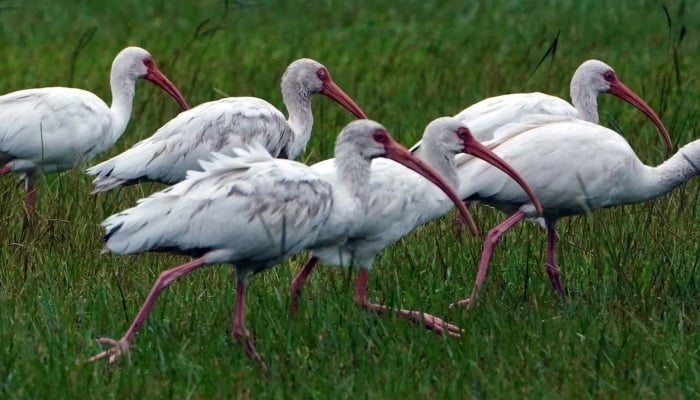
{"type": "Point", "coordinates": [619, 89]}
{"type": "Point", "coordinates": [333, 91]}
{"type": "Point", "coordinates": [159, 79]}
{"type": "Point", "coordinates": [479, 150]}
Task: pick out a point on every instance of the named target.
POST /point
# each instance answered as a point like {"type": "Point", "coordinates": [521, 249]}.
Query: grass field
{"type": "Point", "coordinates": [630, 330]}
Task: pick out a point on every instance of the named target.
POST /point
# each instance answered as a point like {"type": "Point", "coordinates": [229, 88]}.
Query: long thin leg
{"type": "Point", "coordinates": [30, 194]}
{"type": "Point", "coordinates": [552, 266]}
{"type": "Point", "coordinates": [459, 222]}
{"type": "Point", "coordinates": [239, 330]}
{"type": "Point", "coordinates": [121, 346]}
{"type": "Point", "coordinates": [491, 240]}
{"type": "Point", "coordinates": [298, 282]}
{"type": "Point", "coordinates": [431, 322]}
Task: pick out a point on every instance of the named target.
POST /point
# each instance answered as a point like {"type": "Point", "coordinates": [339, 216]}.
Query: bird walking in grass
{"type": "Point", "coordinates": [55, 129]}
{"type": "Point", "coordinates": [253, 211]}
{"type": "Point", "coordinates": [390, 217]}
{"type": "Point", "coordinates": [574, 167]}
{"type": "Point", "coordinates": [225, 124]}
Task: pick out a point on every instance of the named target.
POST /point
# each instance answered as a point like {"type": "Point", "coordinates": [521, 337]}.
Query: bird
{"type": "Point", "coordinates": [224, 124]}
{"type": "Point", "coordinates": [55, 129]}
{"type": "Point", "coordinates": [590, 79]}
{"type": "Point", "coordinates": [575, 168]}
{"type": "Point", "coordinates": [390, 217]}
{"type": "Point", "coordinates": [253, 211]}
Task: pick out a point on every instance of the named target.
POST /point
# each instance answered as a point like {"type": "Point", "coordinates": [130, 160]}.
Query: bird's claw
{"type": "Point", "coordinates": [466, 303]}
{"type": "Point", "coordinates": [119, 348]}
{"type": "Point", "coordinates": [435, 324]}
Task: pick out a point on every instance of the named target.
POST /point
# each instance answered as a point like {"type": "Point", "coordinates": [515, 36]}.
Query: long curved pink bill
{"type": "Point", "coordinates": [334, 91]}
{"type": "Point", "coordinates": [621, 90]}
{"type": "Point", "coordinates": [159, 79]}
{"type": "Point", "coordinates": [401, 155]}
{"type": "Point", "coordinates": [473, 147]}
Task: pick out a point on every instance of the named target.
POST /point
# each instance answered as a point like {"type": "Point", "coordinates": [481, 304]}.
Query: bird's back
{"type": "Point", "coordinates": [55, 128]}
{"type": "Point", "coordinates": [485, 117]}
{"type": "Point", "coordinates": [216, 126]}
{"type": "Point", "coordinates": [573, 167]}
{"type": "Point", "coordinates": [250, 209]}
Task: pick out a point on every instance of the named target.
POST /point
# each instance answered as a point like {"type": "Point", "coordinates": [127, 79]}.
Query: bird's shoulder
{"type": "Point", "coordinates": [229, 122]}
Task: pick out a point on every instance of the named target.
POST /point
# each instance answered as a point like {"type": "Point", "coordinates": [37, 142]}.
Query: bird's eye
{"type": "Point", "coordinates": [148, 62]}
{"type": "Point", "coordinates": [380, 136]}
{"type": "Point", "coordinates": [609, 76]}
{"type": "Point", "coordinates": [322, 74]}
{"type": "Point", "coordinates": [462, 132]}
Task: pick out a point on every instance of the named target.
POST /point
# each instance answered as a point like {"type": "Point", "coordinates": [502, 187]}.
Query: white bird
{"type": "Point", "coordinates": [574, 167]}
{"type": "Point", "coordinates": [56, 128]}
{"type": "Point", "coordinates": [390, 217]}
{"type": "Point", "coordinates": [253, 211]}
{"type": "Point", "coordinates": [221, 125]}
{"type": "Point", "coordinates": [591, 78]}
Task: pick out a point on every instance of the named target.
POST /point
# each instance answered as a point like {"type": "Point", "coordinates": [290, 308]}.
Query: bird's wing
{"type": "Point", "coordinates": [53, 126]}
{"type": "Point", "coordinates": [486, 116]}
{"type": "Point", "coordinates": [568, 163]}
{"type": "Point", "coordinates": [247, 207]}
{"type": "Point", "coordinates": [176, 147]}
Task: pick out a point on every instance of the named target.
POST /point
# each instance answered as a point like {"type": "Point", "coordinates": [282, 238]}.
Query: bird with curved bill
{"type": "Point", "coordinates": [55, 129]}
{"type": "Point", "coordinates": [253, 211]}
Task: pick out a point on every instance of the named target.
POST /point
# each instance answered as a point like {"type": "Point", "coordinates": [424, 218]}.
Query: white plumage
{"type": "Point", "coordinates": [221, 125]}
{"type": "Point", "coordinates": [574, 167]}
{"type": "Point", "coordinates": [251, 210]}
{"type": "Point", "coordinates": [399, 202]}
{"type": "Point", "coordinates": [591, 78]}
{"type": "Point", "coordinates": [56, 128]}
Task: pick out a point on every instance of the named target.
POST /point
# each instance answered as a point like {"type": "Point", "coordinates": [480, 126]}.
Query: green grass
{"type": "Point", "coordinates": [630, 329]}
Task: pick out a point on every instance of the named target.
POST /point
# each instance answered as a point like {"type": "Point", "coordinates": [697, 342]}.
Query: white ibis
{"type": "Point", "coordinates": [390, 217]}
{"type": "Point", "coordinates": [591, 78]}
{"type": "Point", "coordinates": [574, 167]}
{"type": "Point", "coordinates": [252, 211]}
{"type": "Point", "coordinates": [56, 129]}
{"type": "Point", "coordinates": [221, 125]}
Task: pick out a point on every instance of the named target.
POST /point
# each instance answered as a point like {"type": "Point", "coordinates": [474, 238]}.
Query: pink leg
{"type": "Point", "coordinates": [298, 282]}
{"type": "Point", "coordinates": [491, 240]}
{"type": "Point", "coordinates": [433, 323]}
{"type": "Point", "coordinates": [29, 197]}
{"type": "Point", "coordinates": [552, 266]}
{"type": "Point", "coordinates": [239, 330]}
{"type": "Point", "coordinates": [459, 222]}
{"type": "Point", "coordinates": [121, 346]}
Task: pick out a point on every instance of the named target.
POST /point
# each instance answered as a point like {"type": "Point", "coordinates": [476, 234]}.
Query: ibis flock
{"type": "Point", "coordinates": [237, 197]}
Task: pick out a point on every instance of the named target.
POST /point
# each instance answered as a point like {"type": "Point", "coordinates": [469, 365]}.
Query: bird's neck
{"type": "Point", "coordinates": [680, 168]}
{"type": "Point", "coordinates": [300, 119]}
{"type": "Point", "coordinates": [441, 161]}
{"type": "Point", "coordinates": [585, 101]}
{"type": "Point", "coordinates": [122, 102]}
{"type": "Point", "coordinates": [353, 174]}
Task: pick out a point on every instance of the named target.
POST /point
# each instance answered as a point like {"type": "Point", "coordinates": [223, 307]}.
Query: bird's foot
{"type": "Point", "coordinates": [119, 348]}
{"type": "Point", "coordinates": [243, 337]}
{"type": "Point", "coordinates": [466, 303]}
{"type": "Point", "coordinates": [435, 324]}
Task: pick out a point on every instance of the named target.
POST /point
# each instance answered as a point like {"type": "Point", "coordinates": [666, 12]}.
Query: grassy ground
{"type": "Point", "coordinates": [630, 329]}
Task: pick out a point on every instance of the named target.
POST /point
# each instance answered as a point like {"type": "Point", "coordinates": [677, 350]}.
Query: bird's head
{"type": "Point", "coordinates": [306, 77]}
{"type": "Point", "coordinates": [135, 63]}
{"type": "Point", "coordinates": [601, 78]}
